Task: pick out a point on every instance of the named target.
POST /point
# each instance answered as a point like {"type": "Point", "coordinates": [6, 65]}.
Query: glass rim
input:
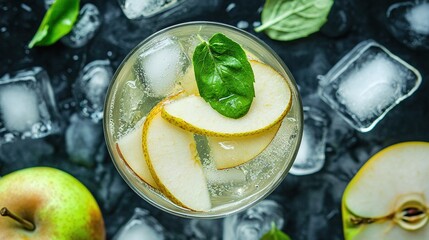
{"type": "Point", "coordinates": [265, 192]}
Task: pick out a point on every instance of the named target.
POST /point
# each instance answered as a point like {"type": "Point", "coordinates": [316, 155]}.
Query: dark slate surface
{"type": "Point", "coordinates": [311, 203]}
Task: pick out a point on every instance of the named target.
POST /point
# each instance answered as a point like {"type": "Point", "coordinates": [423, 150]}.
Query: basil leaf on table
{"type": "Point", "coordinates": [275, 234]}
{"type": "Point", "coordinates": [224, 76]}
{"type": "Point", "coordinates": [287, 20]}
{"type": "Point", "coordinates": [57, 22]}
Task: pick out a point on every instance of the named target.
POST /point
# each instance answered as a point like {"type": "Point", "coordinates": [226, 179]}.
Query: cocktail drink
{"type": "Point", "coordinates": [186, 153]}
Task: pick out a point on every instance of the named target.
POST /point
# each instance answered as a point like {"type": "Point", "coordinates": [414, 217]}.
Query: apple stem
{"type": "Point", "coordinates": [26, 224]}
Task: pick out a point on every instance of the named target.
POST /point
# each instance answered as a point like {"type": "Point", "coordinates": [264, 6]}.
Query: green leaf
{"type": "Point", "coordinates": [287, 20]}
{"type": "Point", "coordinates": [224, 76]}
{"type": "Point", "coordinates": [275, 234]}
{"type": "Point", "coordinates": [57, 22]}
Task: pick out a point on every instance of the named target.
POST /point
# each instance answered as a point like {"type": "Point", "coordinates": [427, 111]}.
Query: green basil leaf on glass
{"type": "Point", "coordinates": [57, 22]}
{"type": "Point", "coordinates": [224, 76]}
{"type": "Point", "coordinates": [287, 20]}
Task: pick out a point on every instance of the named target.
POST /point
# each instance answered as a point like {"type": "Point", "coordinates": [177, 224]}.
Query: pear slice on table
{"type": "Point", "coordinates": [173, 160]}
{"type": "Point", "coordinates": [130, 150]}
{"type": "Point", "coordinates": [228, 152]}
{"type": "Point", "coordinates": [271, 104]}
{"type": "Point", "coordinates": [389, 196]}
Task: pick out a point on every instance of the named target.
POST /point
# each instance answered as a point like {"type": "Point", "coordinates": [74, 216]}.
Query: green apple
{"type": "Point", "coordinates": [389, 196]}
{"type": "Point", "coordinates": [52, 202]}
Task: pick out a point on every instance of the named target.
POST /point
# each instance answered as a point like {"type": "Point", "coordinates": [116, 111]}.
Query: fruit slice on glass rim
{"type": "Point", "coordinates": [271, 104]}
{"type": "Point", "coordinates": [130, 150]}
{"type": "Point", "coordinates": [389, 196]}
{"type": "Point", "coordinates": [228, 152]}
{"type": "Point", "coordinates": [172, 158]}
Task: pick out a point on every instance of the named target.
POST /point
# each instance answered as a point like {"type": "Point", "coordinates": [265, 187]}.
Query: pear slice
{"type": "Point", "coordinates": [271, 104]}
{"type": "Point", "coordinates": [173, 160]}
{"type": "Point", "coordinates": [228, 152]}
{"type": "Point", "coordinates": [130, 150]}
{"type": "Point", "coordinates": [389, 196]}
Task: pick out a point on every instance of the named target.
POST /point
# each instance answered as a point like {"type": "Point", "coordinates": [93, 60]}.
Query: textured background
{"type": "Point", "coordinates": [311, 203]}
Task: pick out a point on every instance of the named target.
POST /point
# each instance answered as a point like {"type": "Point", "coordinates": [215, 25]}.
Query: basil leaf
{"type": "Point", "coordinates": [275, 234]}
{"type": "Point", "coordinates": [287, 20]}
{"type": "Point", "coordinates": [224, 76]}
{"type": "Point", "coordinates": [57, 22]}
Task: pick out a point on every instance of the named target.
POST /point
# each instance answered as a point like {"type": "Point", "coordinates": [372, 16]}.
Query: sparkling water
{"type": "Point", "coordinates": [140, 226]}
{"type": "Point", "coordinates": [367, 83]}
{"type": "Point", "coordinates": [27, 106]}
{"type": "Point", "coordinates": [87, 24]}
{"type": "Point", "coordinates": [254, 222]}
{"type": "Point", "coordinates": [311, 154]}
{"type": "Point", "coordinates": [90, 88]}
{"type": "Point", "coordinates": [160, 68]}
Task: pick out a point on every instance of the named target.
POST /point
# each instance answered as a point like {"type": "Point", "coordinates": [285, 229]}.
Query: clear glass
{"type": "Point", "coordinates": [231, 190]}
{"type": "Point", "coordinates": [367, 83]}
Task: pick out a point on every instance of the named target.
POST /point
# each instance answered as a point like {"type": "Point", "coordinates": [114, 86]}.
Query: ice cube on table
{"type": "Point", "coordinates": [83, 138]}
{"type": "Point", "coordinates": [27, 106]}
{"type": "Point", "coordinates": [87, 24]}
{"type": "Point", "coordinates": [159, 66]}
{"type": "Point", "coordinates": [367, 83]}
{"type": "Point", "coordinates": [140, 226]}
{"type": "Point", "coordinates": [135, 9]}
{"type": "Point", "coordinates": [409, 23]}
{"type": "Point", "coordinates": [311, 153]}
{"type": "Point", "coordinates": [90, 88]}
{"type": "Point", "coordinates": [210, 229]}
{"type": "Point", "coordinates": [254, 222]}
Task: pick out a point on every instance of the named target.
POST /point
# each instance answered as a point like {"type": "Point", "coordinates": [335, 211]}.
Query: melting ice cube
{"type": "Point", "coordinates": [86, 26]}
{"type": "Point", "coordinates": [159, 65]}
{"type": "Point", "coordinates": [27, 106]}
{"type": "Point", "coordinates": [409, 23]}
{"type": "Point", "coordinates": [254, 222]}
{"type": "Point", "coordinates": [141, 226]}
{"type": "Point", "coordinates": [134, 9]}
{"type": "Point", "coordinates": [367, 83]}
{"type": "Point", "coordinates": [83, 139]}
{"type": "Point", "coordinates": [91, 87]}
{"type": "Point", "coordinates": [311, 154]}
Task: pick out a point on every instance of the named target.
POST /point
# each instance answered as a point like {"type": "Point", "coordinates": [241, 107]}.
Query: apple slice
{"type": "Point", "coordinates": [228, 152]}
{"type": "Point", "coordinates": [130, 150]}
{"type": "Point", "coordinates": [388, 197]}
{"type": "Point", "coordinates": [271, 104]}
{"type": "Point", "coordinates": [173, 160]}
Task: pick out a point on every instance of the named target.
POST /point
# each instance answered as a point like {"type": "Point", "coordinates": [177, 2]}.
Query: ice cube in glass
{"type": "Point", "coordinates": [27, 106]}
{"type": "Point", "coordinates": [367, 83]}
